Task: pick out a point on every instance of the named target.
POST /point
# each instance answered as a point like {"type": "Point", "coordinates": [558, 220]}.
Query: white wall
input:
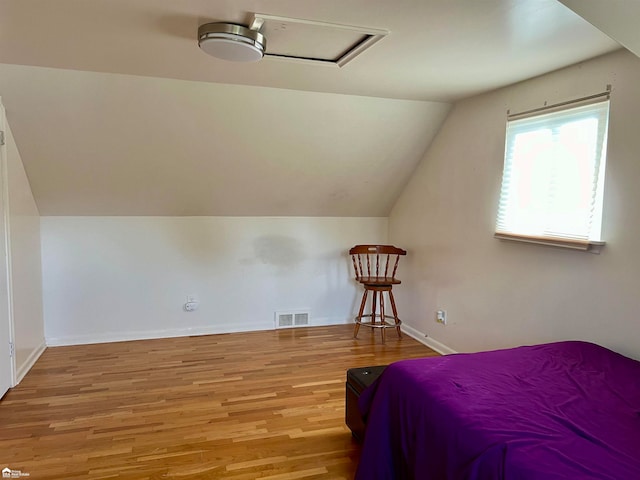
{"type": "Point", "coordinates": [26, 276]}
{"type": "Point", "coordinates": [118, 278]}
{"type": "Point", "coordinates": [500, 293]}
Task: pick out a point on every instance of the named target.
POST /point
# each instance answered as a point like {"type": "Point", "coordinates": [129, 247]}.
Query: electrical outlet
{"type": "Point", "coordinates": [191, 306]}
{"type": "Point", "coordinates": [441, 317]}
{"type": "Point", "coordinates": [193, 302]}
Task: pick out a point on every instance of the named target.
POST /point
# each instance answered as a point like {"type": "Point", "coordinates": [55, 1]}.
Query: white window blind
{"type": "Point", "coordinates": [553, 179]}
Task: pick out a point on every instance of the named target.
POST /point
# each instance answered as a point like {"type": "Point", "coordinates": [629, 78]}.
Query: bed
{"type": "Point", "coordinates": [567, 410]}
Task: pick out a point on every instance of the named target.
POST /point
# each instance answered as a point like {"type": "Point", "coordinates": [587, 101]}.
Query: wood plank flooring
{"type": "Point", "coordinates": [237, 406]}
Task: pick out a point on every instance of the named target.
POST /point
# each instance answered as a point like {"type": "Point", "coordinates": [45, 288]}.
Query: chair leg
{"type": "Point", "coordinates": [382, 319]}
{"type": "Point", "coordinates": [360, 312]}
{"type": "Point", "coordinates": [374, 307]}
{"type": "Point", "coordinates": [395, 313]}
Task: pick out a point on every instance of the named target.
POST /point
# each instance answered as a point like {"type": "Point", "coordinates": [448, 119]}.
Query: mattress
{"type": "Point", "coordinates": [566, 410]}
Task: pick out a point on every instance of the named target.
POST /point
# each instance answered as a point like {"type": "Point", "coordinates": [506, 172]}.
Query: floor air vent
{"type": "Point", "coordinates": [293, 319]}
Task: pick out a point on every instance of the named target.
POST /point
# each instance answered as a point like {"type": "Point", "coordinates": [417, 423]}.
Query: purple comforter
{"type": "Point", "coordinates": [567, 410]}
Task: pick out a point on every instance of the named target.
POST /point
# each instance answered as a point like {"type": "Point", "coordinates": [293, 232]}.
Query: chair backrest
{"type": "Point", "coordinates": [376, 260]}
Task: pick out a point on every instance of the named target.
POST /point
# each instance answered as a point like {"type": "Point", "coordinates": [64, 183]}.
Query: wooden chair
{"type": "Point", "coordinates": [375, 267]}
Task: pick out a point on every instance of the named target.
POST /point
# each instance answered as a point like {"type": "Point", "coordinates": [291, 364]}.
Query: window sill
{"type": "Point", "coordinates": [587, 246]}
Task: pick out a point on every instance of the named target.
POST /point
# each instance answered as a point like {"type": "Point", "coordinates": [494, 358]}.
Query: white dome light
{"type": "Point", "coordinates": [231, 42]}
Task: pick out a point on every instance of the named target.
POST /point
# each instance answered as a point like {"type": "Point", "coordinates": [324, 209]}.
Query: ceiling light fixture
{"type": "Point", "coordinates": [231, 42]}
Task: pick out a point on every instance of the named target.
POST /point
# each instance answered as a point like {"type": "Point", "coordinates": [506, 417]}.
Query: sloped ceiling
{"type": "Point", "coordinates": [117, 112]}
{"type": "Point", "coordinates": [111, 144]}
{"type": "Point", "coordinates": [617, 18]}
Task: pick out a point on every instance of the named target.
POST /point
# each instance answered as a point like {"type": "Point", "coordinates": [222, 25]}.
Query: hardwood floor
{"type": "Point", "coordinates": [238, 406]}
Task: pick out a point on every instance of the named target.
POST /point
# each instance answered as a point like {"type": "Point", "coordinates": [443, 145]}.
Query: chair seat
{"type": "Point", "coordinates": [378, 281]}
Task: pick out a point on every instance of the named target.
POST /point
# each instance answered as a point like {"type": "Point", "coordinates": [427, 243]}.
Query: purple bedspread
{"type": "Point", "coordinates": [567, 410]}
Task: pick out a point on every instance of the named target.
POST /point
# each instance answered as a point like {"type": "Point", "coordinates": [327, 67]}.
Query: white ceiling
{"type": "Point", "coordinates": [105, 144]}
{"type": "Point", "coordinates": [117, 112]}
{"type": "Point", "coordinates": [437, 49]}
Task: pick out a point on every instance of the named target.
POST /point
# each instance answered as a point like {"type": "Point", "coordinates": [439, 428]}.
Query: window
{"type": "Point", "coordinates": [553, 179]}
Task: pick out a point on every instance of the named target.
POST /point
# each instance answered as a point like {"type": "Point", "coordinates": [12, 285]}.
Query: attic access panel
{"type": "Point", "coordinates": [314, 42]}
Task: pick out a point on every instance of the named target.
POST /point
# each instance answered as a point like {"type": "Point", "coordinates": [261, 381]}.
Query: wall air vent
{"type": "Point", "coordinates": [292, 319]}
{"type": "Point", "coordinates": [314, 42]}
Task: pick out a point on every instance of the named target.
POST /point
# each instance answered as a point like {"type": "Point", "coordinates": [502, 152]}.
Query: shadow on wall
{"type": "Point", "coordinates": [357, 298]}
{"type": "Point", "coordinates": [341, 295]}
{"type": "Point", "coordinates": [284, 253]}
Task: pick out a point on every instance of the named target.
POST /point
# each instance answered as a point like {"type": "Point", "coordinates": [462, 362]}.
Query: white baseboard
{"type": "Point", "coordinates": [29, 362]}
{"type": "Point", "coordinates": [326, 321]}
{"type": "Point", "coordinates": [430, 342]}
{"type": "Point", "coordinates": [109, 337]}
{"type": "Point", "coordinates": [175, 332]}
